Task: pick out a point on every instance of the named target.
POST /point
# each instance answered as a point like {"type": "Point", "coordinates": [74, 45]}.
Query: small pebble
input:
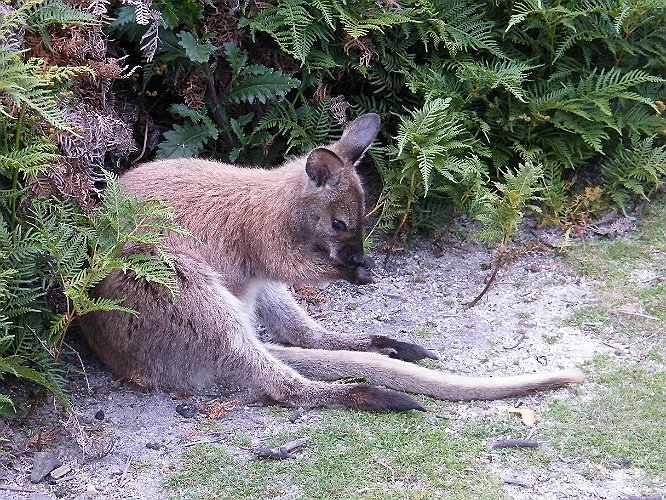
{"type": "Point", "coordinates": [186, 410]}
{"type": "Point", "coordinates": [99, 415]}
{"type": "Point", "coordinates": [297, 415]}
{"type": "Point", "coordinates": [61, 471]}
{"type": "Point", "coordinates": [43, 463]}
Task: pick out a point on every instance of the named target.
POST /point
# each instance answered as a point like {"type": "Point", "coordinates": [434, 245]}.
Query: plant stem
{"type": "Point", "coordinates": [491, 279]}
{"type": "Point", "coordinates": [15, 171]}
{"type": "Point", "coordinates": [408, 208]}
{"type": "Point", "coordinates": [217, 108]}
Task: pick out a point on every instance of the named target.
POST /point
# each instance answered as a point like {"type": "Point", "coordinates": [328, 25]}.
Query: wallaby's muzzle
{"type": "Point", "coordinates": [364, 270]}
{"type": "Point", "coordinates": [360, 264]}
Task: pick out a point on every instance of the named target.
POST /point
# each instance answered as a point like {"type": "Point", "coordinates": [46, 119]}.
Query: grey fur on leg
{"type": "Point", "coordinates": [288, 324]}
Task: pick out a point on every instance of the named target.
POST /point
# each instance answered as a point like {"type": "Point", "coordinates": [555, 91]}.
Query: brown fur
{"type": "Point", "coordinates": [256, 231]}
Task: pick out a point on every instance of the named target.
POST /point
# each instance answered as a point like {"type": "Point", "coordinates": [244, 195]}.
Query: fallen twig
{"type": "Point", "coordinates": [388, 468]}
{"type": "Point", "coordinates": [283, 452]}
{"type": "Point", "coordinates": [640, 315]}
{"type": "Point", "coordinates": [514, 443]}
{"type": "Point", "coordinates": [518, 339]}
{"type": "Point", "coordinates": [518, 482]}
{"type": "Point", "coordinates": [20, 489]}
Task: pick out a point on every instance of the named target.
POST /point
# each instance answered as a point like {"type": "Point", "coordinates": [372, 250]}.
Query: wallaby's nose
{"type": "Point", "coordinates": [363, 261]}
{"type": "Point", "coordinates": [357, 258]}
{"type": "Point", "coordinates": [360, 259]}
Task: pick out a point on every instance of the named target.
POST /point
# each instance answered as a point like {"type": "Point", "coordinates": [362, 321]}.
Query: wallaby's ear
{"type": "Point", "coordinates": [324, 167]}
{"type": "Point", "coordinates": [358, 137]}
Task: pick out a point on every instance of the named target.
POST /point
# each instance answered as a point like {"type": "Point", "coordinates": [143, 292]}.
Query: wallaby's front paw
{"type": "Point", "coordinates": [363, 271]}
{"type": "Point", "coordinates": [372, 398]}
{"type": "Point", "coordinates": [405, 351]}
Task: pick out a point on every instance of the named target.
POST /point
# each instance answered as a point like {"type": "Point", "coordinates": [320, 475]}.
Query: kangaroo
{"type": "Point", "coordinates": [256, 232]}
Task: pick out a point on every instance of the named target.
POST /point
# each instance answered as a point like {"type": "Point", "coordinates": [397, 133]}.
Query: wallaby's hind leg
{"type": "Point", "coordinates": [206, 336]}
{"type": "Point", "coordinates": [289, 324]}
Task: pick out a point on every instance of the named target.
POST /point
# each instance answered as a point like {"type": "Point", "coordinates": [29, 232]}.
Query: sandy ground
{"type": "Point", "coordinates": [420, 296]}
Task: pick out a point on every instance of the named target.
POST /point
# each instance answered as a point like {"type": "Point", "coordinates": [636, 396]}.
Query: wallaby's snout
{"type": "Point", "coordinates": [364, 270]}
{"type": "Point", "coordinates": [353, 257]}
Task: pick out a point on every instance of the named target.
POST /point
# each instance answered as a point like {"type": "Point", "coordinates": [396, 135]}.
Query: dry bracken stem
{"type": "Point", "coordinates": [374, 210]}
{"type": "Point", "coordinates": [145, 143]}
{"type": "Point", "coordinates": [491, 279]}
{"type": "Point", "coordinates": [408, 208]}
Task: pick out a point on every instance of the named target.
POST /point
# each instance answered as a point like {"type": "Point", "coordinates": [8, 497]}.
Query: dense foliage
{"type": "Point", "coordinates": [489, 108]}
{"type": "Point", "coordinates": [468, 92]}
{"type": "Point", "coordinates": [51, 253]}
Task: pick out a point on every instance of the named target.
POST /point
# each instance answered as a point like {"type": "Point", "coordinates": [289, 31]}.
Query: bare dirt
{"type": "Point", "coordinates": [518, 327]}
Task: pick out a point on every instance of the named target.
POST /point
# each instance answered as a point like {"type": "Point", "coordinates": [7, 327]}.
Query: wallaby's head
{"type": "Point", "coordinates": [332, 218]}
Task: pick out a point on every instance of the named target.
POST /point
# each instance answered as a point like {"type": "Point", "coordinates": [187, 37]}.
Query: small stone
{"type": "Point", "coordinates": [153, 446]}
{"type": "Point", "coordinates": [99, 415]}
{"type": "Point", "coordinates": [61, 471]}
{"type": "Point", "coordinates": [44, 462]}
{"type": "Point", "coordinates": [39, 496]}
{"type": "Point", "coordinates": [91, 491]}
{"type": "Point", "coordinates": [297, 415]}
{"type": "Point", "coordinates": [186, 410]}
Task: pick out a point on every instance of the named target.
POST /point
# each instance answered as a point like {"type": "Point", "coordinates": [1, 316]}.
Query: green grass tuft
{"type": "Point", "coordinates": [350, 455]}
{"type": "Point", "coordinates": [625, 418]}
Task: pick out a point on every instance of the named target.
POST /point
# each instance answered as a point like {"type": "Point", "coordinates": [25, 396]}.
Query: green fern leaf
{"type": "Point", "coordinates": [184, 141]}
{"type": "Point", "coordinates": [195, 50]}
{"type": "Point", "coordinates": [261, 87]}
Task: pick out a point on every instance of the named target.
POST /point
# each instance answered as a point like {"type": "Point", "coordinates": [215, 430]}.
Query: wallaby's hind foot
{"type": "Point", "coordinates": [355, 396]}
{"type": "Point", "coordinates": [372, 398]}
{"type": "Point", "coordinates": [405, 351]}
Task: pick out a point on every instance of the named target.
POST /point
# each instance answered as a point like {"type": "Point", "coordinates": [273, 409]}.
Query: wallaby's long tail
{"type": "Point", "coordinates": [400, 375]}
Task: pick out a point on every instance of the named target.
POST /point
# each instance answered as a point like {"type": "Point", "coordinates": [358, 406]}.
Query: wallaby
{"type": "Point", "coordinates": [256, 232]}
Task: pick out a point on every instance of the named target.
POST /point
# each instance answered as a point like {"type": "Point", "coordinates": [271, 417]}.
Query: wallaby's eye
{"type": "Point", "coordinates": [338, 225]}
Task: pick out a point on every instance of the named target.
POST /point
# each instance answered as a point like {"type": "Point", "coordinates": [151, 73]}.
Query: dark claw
{"type": "Point", "coordinates": [371, 398]}
{"type": "Point", "coordinates": [390, 352]}
{"type": "Point", "coordinates": [405, 351]}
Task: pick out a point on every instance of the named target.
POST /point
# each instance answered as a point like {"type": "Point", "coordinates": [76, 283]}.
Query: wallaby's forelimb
{"type": "Point", "coordinates": [287, 322]}
{"type": "Point", "coordinates": [399, 375]}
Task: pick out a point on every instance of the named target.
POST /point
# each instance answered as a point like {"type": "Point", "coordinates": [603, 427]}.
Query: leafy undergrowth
{"type": "Point", "coordinates": [350, 455]}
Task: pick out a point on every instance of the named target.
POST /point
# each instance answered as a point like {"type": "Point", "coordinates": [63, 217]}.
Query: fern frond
{"type": "Point", "coordinates": [47, 12]}
{"type": "Point", "coordinates": [291, 25]}
{"type": "Point", "coordinates": [634, 169]}
{"type": "Point", "coordinates": [30, 159]}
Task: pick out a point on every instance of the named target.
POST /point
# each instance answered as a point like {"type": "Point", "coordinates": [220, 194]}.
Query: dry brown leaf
{"type": "Point", "coordinates": [217, 408]}
{"type": "Point", "coordinates": [527, 415]}
{"type": "Point", "coordinates": [310, 294]}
